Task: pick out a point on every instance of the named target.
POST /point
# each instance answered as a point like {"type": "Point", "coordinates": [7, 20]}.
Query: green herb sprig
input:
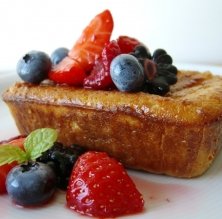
{"type": "Point", "coordinates": [35, 144]}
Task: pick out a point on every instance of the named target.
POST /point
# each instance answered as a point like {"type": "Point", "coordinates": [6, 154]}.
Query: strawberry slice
{"type": "Point", "coordinates": [99, 186]}
{"type": "Point", "coordinates": [127, 44]}
{"type": "Point", "coordinates": [99, 78]}
{"type": "Point", "coordinates": [4, 169]}
{"type": "Point", "coordinates": [68, 71]}
{"type": "Point", "coordinates": [93, 39]}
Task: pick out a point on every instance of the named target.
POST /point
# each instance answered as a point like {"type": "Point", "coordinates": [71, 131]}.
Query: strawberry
{"type": "Point", "coordinates": [17, 141]}
{"type": "Point", "coordinates": [68, 71]}
{"type": "Point", "coordinates": [72, 69]}
{"type": "Point", "coordinates": [100, 78]}
{"type": "Point", "coordinates": [99, 186]}
{"type": "Point", "coordinates": [127, 44]}
{"type": "Point", "coordinates": [93, 39]}
{"type": "Point", "coordinates": [4, 169]}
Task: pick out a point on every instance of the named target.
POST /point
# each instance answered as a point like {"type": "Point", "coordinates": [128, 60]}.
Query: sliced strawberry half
{"type": "Point", "coordinates": [100, 187]}
{"type": "Point", "coordinates": [89, 46]}
{"type": "Point", "coordinates": [68, 71]}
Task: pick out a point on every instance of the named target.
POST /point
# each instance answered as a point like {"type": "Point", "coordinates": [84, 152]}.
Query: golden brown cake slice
{"type": "Point", "coordinates": [178, 135]}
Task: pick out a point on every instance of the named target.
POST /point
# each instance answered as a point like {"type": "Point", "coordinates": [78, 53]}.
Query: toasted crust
{"type": "Point", "coordinates": [178, 135]}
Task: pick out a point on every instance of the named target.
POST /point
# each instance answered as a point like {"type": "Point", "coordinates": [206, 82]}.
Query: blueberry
{"type": "Point", "coordinates": [158, 52]}
{"type": "Point", "coordinates": [165, 58]}
{"type": "Point", "coordinates": [157, 86]}
{"type": "Point", "coordinates": [141, 51]}
{"type": "Point", "coordinates": [127, 73]}
{"type": "Point", "coordinates": [62, 158]}
{"type": "Point", "coordinates": [169, 76]}
{"type": "Point", "coordinates": [34, 67]}
{"type": "Point", "coordinates": [31, 184]}
{"type": "Point", "coordinates": [169, 67]}
{"type": "Point", "coordinates": [58, 55]}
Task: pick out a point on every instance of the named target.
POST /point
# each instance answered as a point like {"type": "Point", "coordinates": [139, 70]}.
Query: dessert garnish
{"type": "Point", "coordinates": [62, 158]}
{"type": "Point", "coordinates": [58, 55]}
{"type": "Point", "coordinates": [34, 66]}
{"type": "Point", "coordinates": [4, 169]}
{"type": "Point", "coordinates": [99, 78]}
{"type": "Point", "coordinates": [30, 182]}
{"type": "Point", "coordinates": [99, 186]}
{"type": "Point", "coordinates": [127, 73]}
{"type": "Point", "coordinates": [88, 63]}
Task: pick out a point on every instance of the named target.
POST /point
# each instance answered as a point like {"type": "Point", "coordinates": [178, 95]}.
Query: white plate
{"type": "Point", "coordinates": [165, 197]}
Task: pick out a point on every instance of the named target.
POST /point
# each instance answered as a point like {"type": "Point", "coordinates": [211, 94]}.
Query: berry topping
{"type": "Point", "coordinates": [16, 141]}
{"type": "Point", "coordinates": [158, 70]}
{"type": "Point", "coordinates": [88, 63]}
{"type": "Point", "coordinates": [62, 159]}
{"type": "Point", "coordinates": [166, 59]}
{"type": "Point", "coordinates": [100, 187]}
{"type": "Point", "coordinates": [81, 58]}
{"type": "Point", "coordinates": [141, 51]}
{"type": "Point", "coordinates": [89, 46]}
{"type": "Point", "coordinates": [127, 73]}
{"type": "Point", "coordinates": [100, 77]}
{"type": "Point", "coordinates": [157, 86]}
{"type": "Point", "coordinates": [34, 66]}
{"type": "Point", "coordinates": [68, 71]}
{"type": "Point", "coordinates": [168, 67]}
{"type": "Point", "coordinates": [20, 186]}
{"type": "Point", "coordinates": [168, 76]}
{"type": "Point", "coordinates": [161, 56]}
{"type": "Point", "coordinates": [4, 169]}
{"type": "Point", "coordinates": [127, 44]}
{"type": "Point", "coordinates": [158, 52]}
{"type": "Point", "coordinates": [31, 184]}
{"type": "Point", "coordinates": [149, 67]}
{"type": "Point", "coordinates": [58, 55]}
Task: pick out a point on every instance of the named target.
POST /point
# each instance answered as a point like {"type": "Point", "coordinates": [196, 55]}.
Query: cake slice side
{"type": "Point", "coordinates": [178, 135]}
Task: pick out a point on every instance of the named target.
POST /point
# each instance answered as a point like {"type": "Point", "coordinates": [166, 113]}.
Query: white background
{"type": "Point", "coordinates": [191, 30]}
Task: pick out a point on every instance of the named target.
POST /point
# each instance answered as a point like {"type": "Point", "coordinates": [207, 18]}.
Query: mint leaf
{"type": "Point", "coordinates": [10, 153]}
{"type": "Point", "coordinates": [39, 141]}
{"type": "Point", "coordinates": [35, 144]}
